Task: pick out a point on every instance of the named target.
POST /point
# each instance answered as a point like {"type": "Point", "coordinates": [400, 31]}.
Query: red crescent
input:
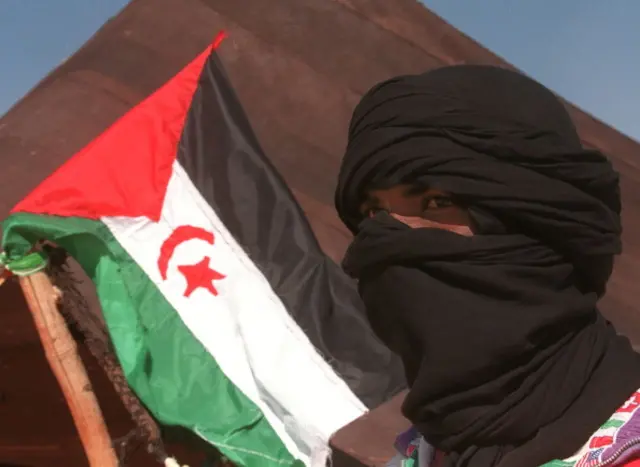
{"type": "Point", "coordinates": [180, 235]}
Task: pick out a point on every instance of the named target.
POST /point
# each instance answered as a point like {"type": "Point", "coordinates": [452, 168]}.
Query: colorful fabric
{"type": "Point", "coordinates": [412, 450]}
{"type": "Point", "coordinates": [615, 443]}
{"type": "Point", "coordinates": [226, 317]}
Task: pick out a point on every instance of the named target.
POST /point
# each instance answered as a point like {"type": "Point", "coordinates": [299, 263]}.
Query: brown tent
{"type": "Point", "coordinates": [299, 67]}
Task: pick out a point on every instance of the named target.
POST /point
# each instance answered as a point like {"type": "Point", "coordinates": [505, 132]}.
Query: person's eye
{"type": "Point", "coordinates": [437, 202]}
{"type": "Point", "coordinates": [375, 210]}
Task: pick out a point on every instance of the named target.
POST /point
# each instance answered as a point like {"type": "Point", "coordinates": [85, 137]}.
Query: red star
{"type": "Point", "coordinates": [200, 275]}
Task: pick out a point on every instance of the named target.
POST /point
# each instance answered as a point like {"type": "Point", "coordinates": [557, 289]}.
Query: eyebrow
{"type": "Point", "coordinates": [372, 200]}
{"type": "Point", "coordinates": [415, 190]}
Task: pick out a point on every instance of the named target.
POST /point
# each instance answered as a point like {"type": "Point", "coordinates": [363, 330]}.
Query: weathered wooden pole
{"type": "Point", "coordinates": [62, 354]}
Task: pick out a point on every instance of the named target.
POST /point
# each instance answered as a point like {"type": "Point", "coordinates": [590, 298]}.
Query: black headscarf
{"type": "Point", "coordinates": [508, 360]}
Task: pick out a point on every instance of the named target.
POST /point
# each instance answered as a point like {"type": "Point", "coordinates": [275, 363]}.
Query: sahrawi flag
{"type": "Point", "coordinates": [226, 317]}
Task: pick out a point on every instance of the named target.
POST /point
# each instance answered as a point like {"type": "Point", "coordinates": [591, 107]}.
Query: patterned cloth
{"type": "Point", "coordinates": [412, 451]}
{"type": "Point", "coordinates": [615, 444]}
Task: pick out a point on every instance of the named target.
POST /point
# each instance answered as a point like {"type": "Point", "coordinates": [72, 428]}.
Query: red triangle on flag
{"type": "Point", "coordinates": [125, 170]}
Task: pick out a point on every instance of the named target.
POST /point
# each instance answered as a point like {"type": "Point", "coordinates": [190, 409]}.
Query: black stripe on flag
{"type": "Point", "coordinates": [224, 160]}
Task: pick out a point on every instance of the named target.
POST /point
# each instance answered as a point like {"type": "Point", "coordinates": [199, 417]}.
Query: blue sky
{"type": "Point", "coordinates": [586, 50]}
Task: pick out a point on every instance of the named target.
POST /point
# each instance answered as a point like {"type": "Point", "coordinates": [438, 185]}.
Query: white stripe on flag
{"type": "Point", "coordinates": [246, 328]}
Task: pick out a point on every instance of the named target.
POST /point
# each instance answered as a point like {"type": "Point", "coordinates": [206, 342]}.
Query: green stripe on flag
{"type": "Point", "coordinates": [167, 367]}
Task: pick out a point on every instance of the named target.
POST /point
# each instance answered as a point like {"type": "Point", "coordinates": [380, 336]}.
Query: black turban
{"type": "Point", "coordinates": [508, 360]}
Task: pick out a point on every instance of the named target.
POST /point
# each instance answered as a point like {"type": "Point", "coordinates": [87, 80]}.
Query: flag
{"type": "Point", "coordinates": [225, 315]}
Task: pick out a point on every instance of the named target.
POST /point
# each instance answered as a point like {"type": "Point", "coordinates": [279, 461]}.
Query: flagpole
{"type": "Point", "coordinates": [62, 354]}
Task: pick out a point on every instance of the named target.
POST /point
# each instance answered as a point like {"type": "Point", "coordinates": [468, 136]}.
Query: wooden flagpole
{"type": "Point", "coordinates": [62, 354]}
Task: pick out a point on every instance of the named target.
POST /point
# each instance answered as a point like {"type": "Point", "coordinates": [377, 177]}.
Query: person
{"type": "Point", "coordinates": [484, 236]}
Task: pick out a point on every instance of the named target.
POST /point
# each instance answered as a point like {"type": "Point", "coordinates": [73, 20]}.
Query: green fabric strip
{"type": "Point", "coordinates": [612, 423]}
{"type": "Point", "coordinates": [170, 370]}
{"type": "Point", "coordinates": [25, 265]}
{"type": "Point", "coordinates": [559, 463]}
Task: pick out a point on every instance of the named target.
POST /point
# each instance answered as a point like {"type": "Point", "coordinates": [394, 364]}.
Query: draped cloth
{"type": "Point", "coordinates": [507, 358]}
